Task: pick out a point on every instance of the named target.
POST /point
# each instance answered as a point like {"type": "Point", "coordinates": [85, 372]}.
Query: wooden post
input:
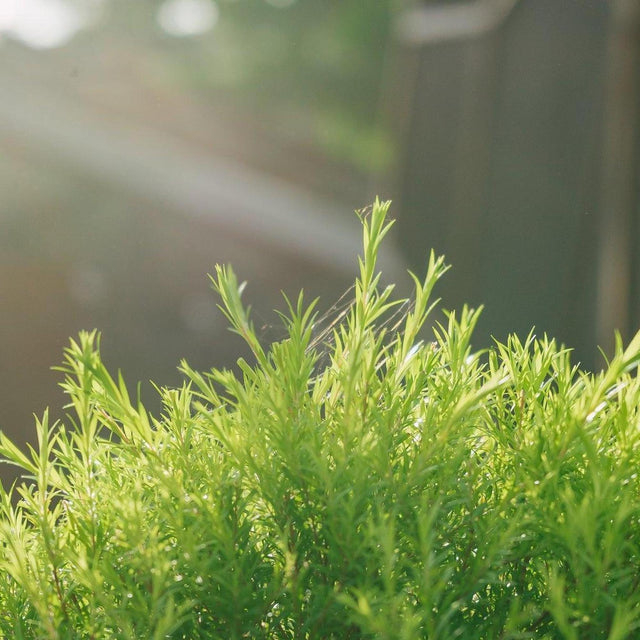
{"type": "Point", "coordinates": [616, 260]}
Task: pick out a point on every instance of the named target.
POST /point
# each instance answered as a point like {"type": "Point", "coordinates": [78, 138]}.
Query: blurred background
{"type": "Point", "coordinates": [143, 142]}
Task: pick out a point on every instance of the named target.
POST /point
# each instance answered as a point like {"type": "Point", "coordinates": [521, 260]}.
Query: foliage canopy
{"type": "Point", "coordinates": [354, 483]}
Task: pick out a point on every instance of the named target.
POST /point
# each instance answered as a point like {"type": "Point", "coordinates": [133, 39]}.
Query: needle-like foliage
{"type": "Point", "coordinates": [360, 482]}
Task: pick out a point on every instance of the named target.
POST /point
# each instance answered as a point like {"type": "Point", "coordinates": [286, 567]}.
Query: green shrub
{"type": "Point", "coordinates": [352, 483]}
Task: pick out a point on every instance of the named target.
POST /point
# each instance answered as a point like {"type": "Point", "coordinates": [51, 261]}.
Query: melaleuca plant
{"type": "Point", "coordinates": [354, 482]}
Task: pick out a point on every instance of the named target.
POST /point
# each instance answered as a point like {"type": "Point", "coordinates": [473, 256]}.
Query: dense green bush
{"type": "Point", "coordinates": [352, 483]}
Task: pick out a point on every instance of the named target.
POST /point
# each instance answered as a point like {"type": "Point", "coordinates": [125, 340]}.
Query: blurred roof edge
{"type": "Point", "coordinates": [426, 24]}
